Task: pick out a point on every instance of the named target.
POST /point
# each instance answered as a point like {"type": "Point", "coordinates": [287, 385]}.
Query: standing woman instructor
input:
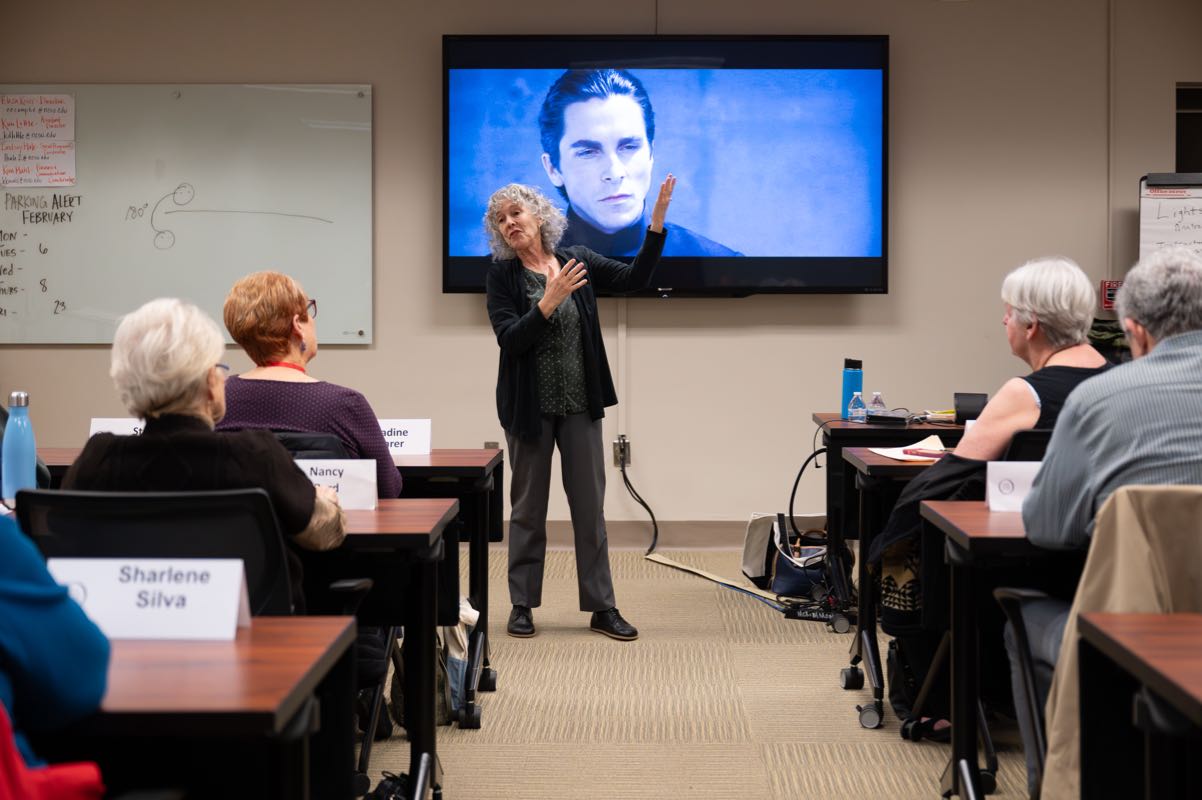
{"type": "Point", "coordinates": [553, 385]}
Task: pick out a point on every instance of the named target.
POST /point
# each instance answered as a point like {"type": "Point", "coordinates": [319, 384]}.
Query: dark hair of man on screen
{"type": "Point", "coordinates": [578, 86]}
{"type": "Point", "coordinates": [596, 128]}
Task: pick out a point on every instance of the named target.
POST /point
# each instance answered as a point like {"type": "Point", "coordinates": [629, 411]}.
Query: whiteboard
{"type": "Point", "coordinates": [1170, 212]}
{"type": "Point", "coordinates": [179, 190]}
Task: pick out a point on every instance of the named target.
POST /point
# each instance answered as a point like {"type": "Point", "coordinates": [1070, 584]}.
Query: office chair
{"type": "Point", "coordinates": [1028, 445]}
{"type": "Point", "coordinates": [1012, 600]}
{"type": "Point", "coordinates": [309, 444]}
{"type": "Point", "coordinates": [372, 644]}
{"type": "Point", "coordinates": [233, 523]}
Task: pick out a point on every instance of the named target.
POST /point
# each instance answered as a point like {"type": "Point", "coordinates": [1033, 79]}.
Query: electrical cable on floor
{"type": "Point", "coordinates": [643, 503]}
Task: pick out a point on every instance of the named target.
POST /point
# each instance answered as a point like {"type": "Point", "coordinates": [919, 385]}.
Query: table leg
{"type": "Point", "coordinates": [965, 690]}
{"type": "Point", "coordinates": [478, 675]}
{"type": "Point", "coordinates": [421, 602]}
{"type": "Point", "coordinates": [864, 647]}
{"type": "Point", "coordinates": [332, 748]}
{"type": "Point", "coordinates": [1109, 737]}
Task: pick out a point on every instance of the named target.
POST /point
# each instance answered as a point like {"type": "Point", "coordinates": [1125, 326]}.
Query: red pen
{"type": "Point", "coordinates": [919, 451]}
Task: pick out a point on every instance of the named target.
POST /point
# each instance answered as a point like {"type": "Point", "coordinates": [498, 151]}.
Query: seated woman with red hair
{"type": "Point", "coordinates": [271, 317]}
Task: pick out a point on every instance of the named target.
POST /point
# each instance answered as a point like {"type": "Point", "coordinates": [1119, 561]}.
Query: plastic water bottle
{"type": "Point", "coordinates": [877, 403]}
{"type": "Point", "coordinates": [19, 455]}
{"type": "Point", "coordinates": [856, 410]}
{"type": "Point", "coordinates": [853, 381]}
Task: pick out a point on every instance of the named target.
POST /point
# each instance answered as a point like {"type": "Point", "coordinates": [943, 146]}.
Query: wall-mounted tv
{"type": "Point", "coordinates": [778, 144]}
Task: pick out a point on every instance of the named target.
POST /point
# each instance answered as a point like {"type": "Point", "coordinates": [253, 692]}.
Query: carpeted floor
{"type": "Point", "coordinates": [720, 697]}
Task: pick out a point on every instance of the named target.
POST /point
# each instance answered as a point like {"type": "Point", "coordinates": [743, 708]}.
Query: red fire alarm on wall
{"type": "Point", "coordinates": [1109, 290]}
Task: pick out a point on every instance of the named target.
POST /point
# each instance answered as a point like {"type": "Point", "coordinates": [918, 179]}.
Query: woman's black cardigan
{"type": "Point", "coordinates": [519, 325]}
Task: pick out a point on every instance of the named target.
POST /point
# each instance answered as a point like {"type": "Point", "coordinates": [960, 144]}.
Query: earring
{"type": "Point", "coordinates": [303, 347]}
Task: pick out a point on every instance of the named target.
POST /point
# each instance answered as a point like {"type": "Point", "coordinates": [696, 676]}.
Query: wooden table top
{"type": "Point", "coordinates": [976, 529]}
{"type": "Point", "coordinates": [875, 465]}
{"type": "Point", "coordinates": [460, 462]}
{"type": "Point", "coordinates": [400, 523]}
{"type": "Point", "coordinates": [251, 686]}
{"type": "Point", "coordinates": [1162, 651]}
{"type": "Point", "coordinates": [59, 456]}
{"type": "Point", "coordinates": [832, 421]}
{"type": "Point", "coordinates": [445, 461]}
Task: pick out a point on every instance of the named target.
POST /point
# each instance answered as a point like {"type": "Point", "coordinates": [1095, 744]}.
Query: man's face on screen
{"type": "Point", "coordinates": [604, 161]}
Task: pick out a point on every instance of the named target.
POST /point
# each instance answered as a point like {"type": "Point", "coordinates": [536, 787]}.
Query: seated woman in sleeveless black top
{"type": "Point", "coordinates": [1048, 311]}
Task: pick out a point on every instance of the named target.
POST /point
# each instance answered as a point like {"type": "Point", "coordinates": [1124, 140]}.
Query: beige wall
{"type": "Point", "coordinates": [1016, 129]}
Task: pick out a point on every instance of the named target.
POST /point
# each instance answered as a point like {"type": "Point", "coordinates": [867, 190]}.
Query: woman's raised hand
{"type": "Point", "coordinates": [660, 211]}
{"type": "Point", "coordinates": [560, 284]}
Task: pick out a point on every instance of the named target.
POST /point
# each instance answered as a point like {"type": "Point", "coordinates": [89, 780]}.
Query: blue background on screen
{"type": "Point", "coordinates": [773, 163]}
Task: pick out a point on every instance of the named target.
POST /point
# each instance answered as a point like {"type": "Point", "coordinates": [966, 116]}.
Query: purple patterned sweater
{"type": "Point", "coordinates": [317, 407]}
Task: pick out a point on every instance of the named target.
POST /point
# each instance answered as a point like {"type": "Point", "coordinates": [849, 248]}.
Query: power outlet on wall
{"type": "Point", "coordinates": [621, 451]}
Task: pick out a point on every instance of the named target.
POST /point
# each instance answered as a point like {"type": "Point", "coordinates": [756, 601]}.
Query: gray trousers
{"type": "Point", "coordinates": [1044, 621]}
{"type": "Point", "coordinates": [581, 456]}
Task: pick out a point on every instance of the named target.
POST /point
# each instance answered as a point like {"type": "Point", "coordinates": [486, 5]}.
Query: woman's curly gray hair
{"type": "Point", "coordinates": [551, 221]}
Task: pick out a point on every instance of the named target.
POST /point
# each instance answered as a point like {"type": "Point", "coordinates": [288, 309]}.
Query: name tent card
{"type": "Point", "coordinates": [122, 426]}
{"type": "Point", "coordinates": [158, 598]}
{"type": "Point", "coordinates": [1007, 483]}
{"type": "Point", "coordinates": [406, 437]}
{"type": "Point", "coordinates": [353, 479]}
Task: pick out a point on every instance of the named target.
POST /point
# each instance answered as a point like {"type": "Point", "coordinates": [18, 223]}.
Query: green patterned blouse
{"type": "Point", "coordinates": [560, 355]}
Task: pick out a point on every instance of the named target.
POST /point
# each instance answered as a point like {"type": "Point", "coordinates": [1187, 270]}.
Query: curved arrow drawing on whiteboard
{"type": "Point", "coordinates": [183, 194]}
{"type": "Point", "coordinates": [164, 237]}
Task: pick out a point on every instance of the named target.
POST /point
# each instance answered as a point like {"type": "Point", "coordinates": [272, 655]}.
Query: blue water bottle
{"type": "Point", "coordinates": [853, 381]}
{"type": "Point", "coordinates": [19, 455]}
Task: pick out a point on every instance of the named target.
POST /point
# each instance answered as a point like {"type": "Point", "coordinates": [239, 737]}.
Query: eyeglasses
{"type": "Point", "coordinates": [225, 368]}
{"type": "Point", "coordinates": [311, 309]}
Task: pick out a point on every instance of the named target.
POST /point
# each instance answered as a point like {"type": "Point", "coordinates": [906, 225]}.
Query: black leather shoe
{"type": "Point", "coordinates": [521, 622]}
{"type": "Point", "coordinates": [612, 625]}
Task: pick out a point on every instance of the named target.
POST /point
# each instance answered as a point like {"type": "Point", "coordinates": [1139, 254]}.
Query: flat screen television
{"type": "Point", "coordinates": [779, 145]}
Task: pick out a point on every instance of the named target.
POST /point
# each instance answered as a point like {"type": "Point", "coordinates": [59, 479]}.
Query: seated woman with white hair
{"type": "Point", "coordinates": [1049, 305]}
{"type": "Point", "coordinates": [165, 364]}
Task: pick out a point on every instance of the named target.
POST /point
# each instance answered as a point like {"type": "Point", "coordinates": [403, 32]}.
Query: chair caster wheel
{"type": "Point", "coordinates": [469, 717]}
{"type": "Point", "coordinates": [851, 678]}
{"type": "Point", "coordinates": [488, 680]}
{"type": "Point", "coordinates": [817, 592]}
{"type": "Point", "coordinates": [988, 782]}
{"type": "Point", "coordinates": [870, 716]}
{"type": "Point", "coordinates": [360, 784]}
{"type": "Point", "coordinates": [839, 623]}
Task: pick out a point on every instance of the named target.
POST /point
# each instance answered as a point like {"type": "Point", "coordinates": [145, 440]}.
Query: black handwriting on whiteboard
{"type": "Point", "coordinates": [164, 237]}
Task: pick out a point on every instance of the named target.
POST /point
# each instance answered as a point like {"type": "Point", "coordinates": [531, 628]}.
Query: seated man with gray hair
{"type": "Point", "coordinates": [1136, 424]}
